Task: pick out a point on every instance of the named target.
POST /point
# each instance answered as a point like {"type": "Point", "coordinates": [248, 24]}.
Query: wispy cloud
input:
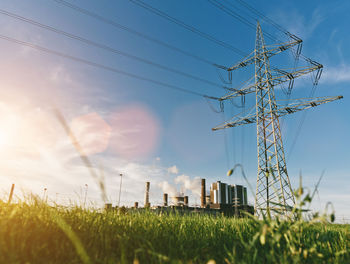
{"type": "Point", "coordinates": [298, 24]}
{"type": "Point", "coordinates": [338, 74]}
{"type": "Point", "coordinates": [189, 184]}
{"type": "Point", "coordinates": [167, 188]}
{"type": "Point", "coordinates": [173, 170]}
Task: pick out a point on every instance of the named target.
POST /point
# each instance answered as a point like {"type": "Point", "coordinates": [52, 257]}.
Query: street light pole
{"type": "Point", "coordinates": [120, 188]}
{"type": "Point", "coordinates": [86, 190]}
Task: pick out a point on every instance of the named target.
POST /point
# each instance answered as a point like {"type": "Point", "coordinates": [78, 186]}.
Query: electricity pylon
{"type": "Point", "coordinates": [273, 189]}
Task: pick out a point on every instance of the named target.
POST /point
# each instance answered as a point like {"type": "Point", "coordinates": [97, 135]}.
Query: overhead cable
{"type": "Point", "coordinates": [108, 48]}
{"type": "Point", "coordinates": [188, 27]}
{"type": "Point", "coordinates": [104, 67]}
{"type": "Point", "coordinates": [259, 14]}
{"type": "Point", "coordinates": [303, 117]}
{"type": "Point", "coordinates": [238, 17]}
{"type": "Point", "coordinates": [134, 32]}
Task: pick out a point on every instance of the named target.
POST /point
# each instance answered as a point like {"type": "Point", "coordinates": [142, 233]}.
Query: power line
{"type": "Point", "coordinates": [108, 48]}
{"type": "Point", "coordinates": [226, 145]}
{"type": "Point", "coordinates": [259, 14]}
{"type": "Point", "coordinates": [135, 32]}
{"type": "Point", "coordinates": [104, 67]}
{"type": "Point", "coordinates": [188, 27]}
{"type": "Point", "coordinates": [232, 13]}
{"type": "Point", "coordinates": [241, 11]}
{"type": "Point", "coordinates": [238, 16]}
{"type": "Point", "coordinates": [302, 120]}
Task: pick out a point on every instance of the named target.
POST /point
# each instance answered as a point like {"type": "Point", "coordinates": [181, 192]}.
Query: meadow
{"type": "Point", "coordinates": [34, 232]}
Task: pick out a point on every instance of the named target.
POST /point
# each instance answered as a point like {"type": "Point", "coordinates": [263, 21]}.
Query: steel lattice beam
{"type": "Point", "coordinates": [274, 50]}
{"type": "Point", "coordinates": [284, 76]}
{"type": "Point", "coordinates": [295, 106]}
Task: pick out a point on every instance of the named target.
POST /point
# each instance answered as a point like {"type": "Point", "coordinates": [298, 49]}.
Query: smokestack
{"type": "Point", "coordinates": [147, 194]}
{"type": "Point", "coordinates": [136, 205]}
{"type": "Point", "coordinates": [165, 199]}
{"type": "Point", "coordinates": [203, 194]}
{"type": "Point", "coordinates": [186, 200]}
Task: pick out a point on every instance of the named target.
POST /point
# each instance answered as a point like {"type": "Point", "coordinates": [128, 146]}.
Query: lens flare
{"type": "Point", "coordinates": [135, 131]}
{"type": "Point", "coordinates": [92, 133]}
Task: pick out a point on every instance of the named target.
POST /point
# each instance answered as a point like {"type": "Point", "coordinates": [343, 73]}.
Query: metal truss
{"type": "Point", "coordinates": [281, 110]}
{"type": "Point", "coordinates": [273, 189]}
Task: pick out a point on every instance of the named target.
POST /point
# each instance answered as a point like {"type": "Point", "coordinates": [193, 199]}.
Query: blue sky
{"type": "Point", "coordinates": [178, 125]}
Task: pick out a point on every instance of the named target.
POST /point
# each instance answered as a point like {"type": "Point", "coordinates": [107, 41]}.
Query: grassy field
{"type": "Point", "coordinates": [38, 233]}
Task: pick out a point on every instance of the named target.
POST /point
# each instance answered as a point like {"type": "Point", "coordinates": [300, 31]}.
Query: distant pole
{"type": "Point", "coordinates": [45, 195]}
{"type": "Point", "coordinates": [11, 193]}
{"type": "Point", "coordinates": [120, 188]}
{"type": "Point", "coordinates": [86, 190]}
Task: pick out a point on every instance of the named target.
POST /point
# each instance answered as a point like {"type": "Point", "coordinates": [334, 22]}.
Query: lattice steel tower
{"type": "Point", "coordinates": [273, 189]}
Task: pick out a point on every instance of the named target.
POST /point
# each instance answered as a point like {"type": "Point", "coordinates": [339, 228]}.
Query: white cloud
{"type": "Point", "coordinates": [167, 188]}
{"type": "Point", "coordinates": [193, 185]}
{"type": "Point", "coordinates": [60, 74]}
{"type": "Point", "coordinates": [173, 170]}
{"type": "Point", "coordinates": [298, 24]}
{"type": "Point", "coordinates": [337, 74]}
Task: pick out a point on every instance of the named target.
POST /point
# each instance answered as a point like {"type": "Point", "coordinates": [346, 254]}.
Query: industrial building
{"type": "Point", "coordinates": [222, 193]}
{"type": "Point", "coordinates": [223, 198]}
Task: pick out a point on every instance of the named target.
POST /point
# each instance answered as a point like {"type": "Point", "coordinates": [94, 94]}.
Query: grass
{"type": "Point", "coordinates": [37, 233]}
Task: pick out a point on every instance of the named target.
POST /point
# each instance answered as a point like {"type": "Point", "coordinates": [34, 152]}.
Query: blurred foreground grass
{"type": "Point", "coordinates": [37, 233]}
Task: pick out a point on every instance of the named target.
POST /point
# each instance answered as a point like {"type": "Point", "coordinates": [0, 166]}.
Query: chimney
{"type": "Point", "coordinates": [147, 194]}
{"type": "Point", "coordinates": [203, 194]}
{"type": "Point", "coordinates": [165, 199]}
{"type": "Point", "coordinates": [136, 205]}
{"type": "Point", "coordinates": [186, 200]}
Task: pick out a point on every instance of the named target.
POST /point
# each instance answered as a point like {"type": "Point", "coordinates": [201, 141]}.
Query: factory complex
{"type": "Point", "coordinates": [222, 198]}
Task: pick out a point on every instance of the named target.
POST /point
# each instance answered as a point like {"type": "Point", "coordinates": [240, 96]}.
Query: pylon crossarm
{"type": "Point", "coordinates": [276, 49]}
{"type": "Point", "coordinates": [250, 59]}
{"type": "Point", "coordinates": [281, 110]}
{"type": "Point", "coordinates": [303, 103]}
{"type": "Point", "coordinates": [286, 75]}
{"type": "Point", "coordinates": [278, 76]}
{"type": "Point", "coordinates": [237, 121]}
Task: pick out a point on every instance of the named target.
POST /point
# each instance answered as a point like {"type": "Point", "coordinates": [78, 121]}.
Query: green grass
{"type": "Point", "coordinates": [38, 233]}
